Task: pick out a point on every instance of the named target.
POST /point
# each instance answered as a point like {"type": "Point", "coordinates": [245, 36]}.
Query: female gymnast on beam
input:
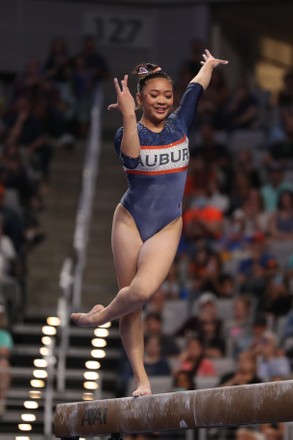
{"type": "Point", "coordinates": [147, 223]}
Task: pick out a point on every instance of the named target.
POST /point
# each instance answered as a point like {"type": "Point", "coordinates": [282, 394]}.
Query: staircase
{"type": "Point", "coordinates": [27, 338]}
{"type": "Point", "coordinates": [44, 266]}
{"type": "Point", "coordinates": [61, 199]}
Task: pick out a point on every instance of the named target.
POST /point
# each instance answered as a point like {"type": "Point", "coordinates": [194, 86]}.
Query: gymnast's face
{"type": "Point", "coordinates": [156, 100]}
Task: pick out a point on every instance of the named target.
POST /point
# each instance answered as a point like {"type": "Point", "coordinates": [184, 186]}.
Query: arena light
{"type": "Point", "coordinates": [37, 383]}
{"type": "Point", "coordinates": [46, 340]}
{"type": "Point", "coordinates": [99, 343]}
{"type": "Point", "coordinates": [93, 365]}
{"type": "Point", "coordinates": [98, 354]}
{"type": "Point", "coordinates": [40, 374]}
{"type": "Point", "coordinates": [48, 330]}
{"type": "Point", "coordinates": [101, 332]}
{"type": "Point", "coordinates": [35, 394]}
{"type": "Point", "coordinates": [87, 396]}
{"type": "Point", "coordinates": [88, 385]}
{"type": "Point", "coordinates": [30, 404]}
{"type": "Point", "coordinates": [40, 363]}
{"type": "Point", "coordinates": [28, 417]}
{"type": "Point", "coordinates": [44, 351]}
{"type": "Point", "coordinates": [91, 375]}
{"type": "Point", "coordinates": [53, 321]}
{"type": "Point", "coordinates": [24, 427]}
{"type": "Point", "coordinates": [22, 437]}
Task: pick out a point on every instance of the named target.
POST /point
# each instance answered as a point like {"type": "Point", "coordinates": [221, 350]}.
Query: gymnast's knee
{"type": "Point", "coordinates": [141, 291]}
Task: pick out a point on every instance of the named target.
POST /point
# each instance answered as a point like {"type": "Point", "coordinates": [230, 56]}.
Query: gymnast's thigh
{"type": "Point", "coordinates": [157, 255]}
{"type": "Point", "coordinates": [126, 245]}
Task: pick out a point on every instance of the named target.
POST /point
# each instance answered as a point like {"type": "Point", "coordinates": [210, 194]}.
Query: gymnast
{"type": "Point", "coordinates": [147, 222]}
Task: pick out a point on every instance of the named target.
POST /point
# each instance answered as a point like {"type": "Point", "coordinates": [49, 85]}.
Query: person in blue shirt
{"type": "Point", "coordinates": [147, 223]}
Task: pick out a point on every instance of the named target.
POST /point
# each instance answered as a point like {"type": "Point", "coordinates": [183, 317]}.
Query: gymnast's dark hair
{"type": "Point", "coordinates": [146, 71]}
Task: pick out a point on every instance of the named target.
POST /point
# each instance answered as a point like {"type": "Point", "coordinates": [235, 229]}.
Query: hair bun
{"type": "Point", "coordinates": [147, 69]}
{"type": "Point", "coordinates": [142, 70]}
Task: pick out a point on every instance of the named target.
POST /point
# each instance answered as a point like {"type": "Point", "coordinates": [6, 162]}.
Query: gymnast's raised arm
{"type": "Point", "coordinates": [130, 145]}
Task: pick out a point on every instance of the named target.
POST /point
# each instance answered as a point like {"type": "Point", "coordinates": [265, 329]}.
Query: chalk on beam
{"type": "Point", "coordinates": [226, 406]}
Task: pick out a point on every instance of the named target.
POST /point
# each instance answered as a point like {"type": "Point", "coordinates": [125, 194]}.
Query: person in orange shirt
{"type": "Point", "coordinates": [202, 221]}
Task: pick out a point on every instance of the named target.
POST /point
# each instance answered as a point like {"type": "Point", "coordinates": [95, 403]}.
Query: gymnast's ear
{"type": "Point", "coordinates": [138, 100]}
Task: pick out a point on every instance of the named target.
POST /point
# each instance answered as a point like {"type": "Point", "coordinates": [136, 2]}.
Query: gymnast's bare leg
{"type": "Point", "coordinates": [147, 265]}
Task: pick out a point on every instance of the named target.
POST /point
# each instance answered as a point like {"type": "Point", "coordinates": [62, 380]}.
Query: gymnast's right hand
{"type": "Point", "coordinates": [125, 102]}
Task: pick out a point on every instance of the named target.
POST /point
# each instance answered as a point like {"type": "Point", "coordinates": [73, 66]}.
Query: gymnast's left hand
{"type": "Point", "coordinates": [125, 102]}
{"type": "Point", "coordinates": [208, 58]}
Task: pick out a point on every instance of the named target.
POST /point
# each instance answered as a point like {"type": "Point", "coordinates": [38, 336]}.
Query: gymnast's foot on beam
{"type": "Point", "coordinates": [90, 319]}
{"type": "Point", "coordinates": [142, 390]}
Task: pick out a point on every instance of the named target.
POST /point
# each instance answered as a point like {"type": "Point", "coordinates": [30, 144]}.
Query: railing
{"type": "Point", "coordinates": [71, 276]}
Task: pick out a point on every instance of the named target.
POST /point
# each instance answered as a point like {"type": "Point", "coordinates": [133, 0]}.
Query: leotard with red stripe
{"type": "Point", "coordinates": [156, 179]}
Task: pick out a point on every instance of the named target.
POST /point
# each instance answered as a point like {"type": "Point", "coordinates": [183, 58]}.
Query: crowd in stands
{"type": "Point", "coordinates": [224, 314]}
{"type": "Point", "coordinates": [44, 107]}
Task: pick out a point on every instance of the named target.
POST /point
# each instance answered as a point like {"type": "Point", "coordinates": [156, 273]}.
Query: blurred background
{"type": "Point", "coordinates": [224, 315]}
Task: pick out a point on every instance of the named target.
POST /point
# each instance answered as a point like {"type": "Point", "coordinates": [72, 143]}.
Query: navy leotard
{"type": "Point", "coordinates": [156, 179]}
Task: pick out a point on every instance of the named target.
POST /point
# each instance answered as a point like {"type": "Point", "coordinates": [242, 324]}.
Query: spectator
{"type": "Point", "coordinates": [257, 267]}
{"type": "Point", "coordinates": [244, 161]}
{"type": "Point", "coordinates": [243, 108]}
{"type": "Point", "coordinates": [200, 175]}
{"type": "Point", "coordinates": [276, 299]}
{"type": "Point", "coordinates": [202, 220]}
{"type": "Point", "coordinates": [58, 70]}
{"type": "Point", "coordinates": [155, 363]}
{"type": "Point", "coordinates": [6, 346]}
{"type": "Point", "coordinates": [251, 215]}
{"type": "Point", "coordinates": [281, 220]}
{"type": "Point", "coordinates": [258, 329]}
{"type": "Point", "coordinates": [29, 132]}
{"type": "Point", "coordinates": [271, 359]}
{"type": "Point", "coordinates": [245, 372]}
{"type": "Point", "coordinates": [207, 304]}
{"type": "Point", "coordinates": [237, 330]}
{"type": "Point", "coordinates": [240, 190]}
{"type": "Point", "coordinates": [183, 381]}
{"type": "Point", "coordinates": [95, 62]}
{"type": "Point", "coordinates": [275, 185]}
{"type": "Point", "coordinates": [208, 146]}
{"type": "Point", "coordinates": [194, 360]}
{"type": "Point", "coordinates": [204, 270]}
{"type": "Point", "coordinates": [57, 65]}
{"type": "Point", "coordinates": [153, 327]}
{"type": "Point", "coordinates": [173, 287]}
{"type": "Point", "coordinates": [226, 286]}
{"type": "Point", "coordinates": [213, 343]}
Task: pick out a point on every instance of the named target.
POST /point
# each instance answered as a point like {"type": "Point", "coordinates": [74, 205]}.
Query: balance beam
{"type": "Point", "coordinates": [213, 407]}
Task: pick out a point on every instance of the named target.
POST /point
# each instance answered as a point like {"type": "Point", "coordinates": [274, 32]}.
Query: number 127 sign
{"type": "Point", "coordinates": [119, 30]}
